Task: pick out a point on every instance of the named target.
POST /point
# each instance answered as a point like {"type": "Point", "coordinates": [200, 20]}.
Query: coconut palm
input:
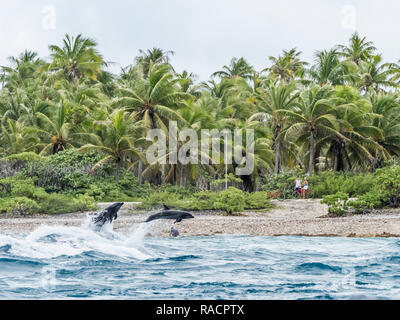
{"type": "Point", "coordinates": [328, 69]}
{"type": "Point", "coordinates": [237, 68]}
{"type": "Point", "coordinates": [356, 143]}
{"type": "Point", "coordinates": [270, 102]}
{"type": "Point", "coordinates": [387, 106]}
{"type": "Point", "coordinates": [77, 58]}
{"type": "Point", "coordinates": [186, 82]}
{"type": "Point", "coordinates": [23, 68]}
{"type": "Point", "coordinates": [261, 153]}
{"type": "Point", "coordinates": [117, 139]}
{"type": "Point", "coordinates": [153, 56]}
{"type": "Point", "coordinates": [373, 74]}
{"type": "Point", "coordinates": [17, 137]}
{"type": "Point", "coordinates": [155, 99]}
{"type": "Point", "coordinates": [312, 118]}
{"type": "Point", "coordinates": [287, 66]}
{"type": "Point", "coordinates": [358, 49]}
{"type": "Point", "coordinates": [55, 131]}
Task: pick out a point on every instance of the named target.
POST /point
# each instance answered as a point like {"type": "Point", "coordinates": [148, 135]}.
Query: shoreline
{"type": "Point", "coordinates": [289, 218]}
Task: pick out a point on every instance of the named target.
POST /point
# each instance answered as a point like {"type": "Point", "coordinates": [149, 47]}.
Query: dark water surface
{"type": "Point", "coordinates": [77, 263]}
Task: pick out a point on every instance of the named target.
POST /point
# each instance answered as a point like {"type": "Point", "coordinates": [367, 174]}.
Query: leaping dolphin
{"type": "Point", "coordinates": [107, 215]}
{"type": "Point", "coordinates": [167, 213]}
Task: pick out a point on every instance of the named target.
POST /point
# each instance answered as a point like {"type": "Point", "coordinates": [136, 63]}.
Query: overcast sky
{"type": "Point", "coordinates": [205, 34]}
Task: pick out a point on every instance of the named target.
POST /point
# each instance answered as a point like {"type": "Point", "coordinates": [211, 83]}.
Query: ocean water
{"type": "Point", "coordinates": [78, 263]}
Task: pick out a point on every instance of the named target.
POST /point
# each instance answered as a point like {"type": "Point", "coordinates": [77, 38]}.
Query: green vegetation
{"type": "Point", "coordinates": [337, 203]}
{"type": "Point", "coordinates": [230, 201]}
{"type": "Point", "coordinates": [384, 192]}
{"type": "Point", "coordinates": [72, 133]}
{"type": "Point", "coordinates": [19, 195]}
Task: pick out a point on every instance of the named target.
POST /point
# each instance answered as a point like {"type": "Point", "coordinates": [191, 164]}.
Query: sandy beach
{"type": "Point", "coordinates": [289, 217]}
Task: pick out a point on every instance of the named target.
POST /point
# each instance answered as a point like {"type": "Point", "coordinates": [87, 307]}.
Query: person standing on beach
{"type": "Point", "coordinates": [305, 188]}
{"type": "Point", "coordinates": [297, 187]}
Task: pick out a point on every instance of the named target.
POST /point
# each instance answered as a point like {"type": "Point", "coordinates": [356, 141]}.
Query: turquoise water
{"type": "Point", "coordinates": [77, 263]}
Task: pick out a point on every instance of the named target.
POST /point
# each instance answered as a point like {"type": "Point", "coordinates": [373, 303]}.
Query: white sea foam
{"type": "Point", "coordinates": [54, 241]}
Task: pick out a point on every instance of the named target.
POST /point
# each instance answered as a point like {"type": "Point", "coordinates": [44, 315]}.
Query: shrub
{"type": "Point", "coordinates": [257, 200]}
{"type": "Point", "coordinates": [14, 164]}
{"type": "Point", "coordinates": [384, 193]}
{"type": "Point", "coordinates": [84, 203]}
{"type": "Point", "coordinates": [330, 182]}
{"type": "Point", "coordinates": [180, 191]}
{"type": "Point", "coordinates": [230, 200]}
{"type": "Point", "coordinates": [65, 171]}
{"type": "Point", "coordinates": [203, 200]}
{"type": "Point", "coordinates": [129, 185]}
{"type": "Point", "coordinates": [370, 200]}
{"type": "Point", "coordinates": [96, 192]}
{"type": "Point", "coordinates": [24, 157]}
{"type": "Point", "coordinates": [156, 199]}
{"type": "Point", "coordinates": [337, 203]}
{"type": "Point", "coordinates": [60, 203]}
{"type": "Point", "coordinates": [18, 205]}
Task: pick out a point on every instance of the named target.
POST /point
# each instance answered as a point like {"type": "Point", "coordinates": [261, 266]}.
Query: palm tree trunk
{"type": "Point", "coordinates": [277, 156]}
{"type": "Point", "coordinates": [311, 161]}
{"type": "Point", "coordinates": [317, 154]}
{"type": "Point", "coordinates": [338, 164]}
{"type": "Point", "coordinates": [117, 170]}
{"type": "Point", "coordinates": [277, 148]}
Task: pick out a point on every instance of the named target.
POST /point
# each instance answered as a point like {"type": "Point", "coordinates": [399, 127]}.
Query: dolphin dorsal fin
{"type": "Point", "coordinates": [166, 207]}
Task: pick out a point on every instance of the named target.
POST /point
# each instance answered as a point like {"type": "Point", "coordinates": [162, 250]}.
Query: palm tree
{"type": "Point", "coordinates": [262, 155]}
{"type": "Point", "coordinates": [186, 82]}
{"type": "Point", "coordinates": [387, 106]}
{"type": "Point", "coordinates": [288, 66]}
{"type": "Point", "coordinates": [116, 137]}
{"type": "Point", "coordinates": [17, 138]}
{"type": "Point", "coordinates": [359, 49]}
{"type": "Point", "coordinates": [237, 68]}
{"type": "Point", "coordinates": [23, 68]}
{"type": "Point", "coordinates": [356, 141]}
{"type": "Point", "coordinates": [312, 118]}
{"type": "Point", "coordinates": [12, 104]}
{"type": "Point", "coordinates": [373, 74]}
{"type": "Point", "coordinates": [153, 100]}
{"type": "Point", "coordinates": [270, 102]}
{"type": "Point", "coordinates": [55, 130]}
{"type": "Point", "coordinates": [77, 58]}
{"type": "Point", "coordinates": [153, 56]}
{"type": "Point", "coordinates": [327, 68]}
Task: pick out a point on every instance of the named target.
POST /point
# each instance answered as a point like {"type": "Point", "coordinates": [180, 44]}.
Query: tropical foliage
{"type": "Point", "coordinates": [340, 113]}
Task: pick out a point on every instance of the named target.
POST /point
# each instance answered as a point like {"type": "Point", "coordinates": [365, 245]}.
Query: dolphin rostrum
{"type": "Point", "coordinates": [107, 215]}
{"type": "Point", "coordinates": [167, 213]}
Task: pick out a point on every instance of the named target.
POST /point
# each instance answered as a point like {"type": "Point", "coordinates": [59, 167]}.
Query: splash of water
{"type": "Point", "coordinates": [55, 241]}
{"type": "Point", "coordinates": [136, 239]}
